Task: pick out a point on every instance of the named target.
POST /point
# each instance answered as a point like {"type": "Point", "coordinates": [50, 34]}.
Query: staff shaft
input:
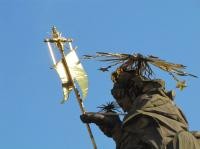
{"type": "Point", "coordinates": [80, 101]}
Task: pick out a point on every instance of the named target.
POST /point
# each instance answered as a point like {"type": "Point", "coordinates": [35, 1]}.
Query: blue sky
{"type": "Point", "coordinates": [31, 115]}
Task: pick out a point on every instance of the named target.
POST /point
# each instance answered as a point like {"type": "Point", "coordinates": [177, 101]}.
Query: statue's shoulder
{"type": "Point", "coordinates": [146, 104]}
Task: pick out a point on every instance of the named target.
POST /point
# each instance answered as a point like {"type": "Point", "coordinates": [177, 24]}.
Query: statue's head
{"type": "Point", "coordinates": [128, 85]}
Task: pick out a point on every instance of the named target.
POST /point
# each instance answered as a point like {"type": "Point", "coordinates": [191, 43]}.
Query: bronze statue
{"type": "Point", "coordinates": [152, 120]}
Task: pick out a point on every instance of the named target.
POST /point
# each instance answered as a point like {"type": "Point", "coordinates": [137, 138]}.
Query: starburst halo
{"type": "Point", "coordinates": [141, 65]}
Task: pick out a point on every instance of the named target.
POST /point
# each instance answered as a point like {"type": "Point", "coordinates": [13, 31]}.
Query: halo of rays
{"type": "Point", "coordinates": [140, 64]}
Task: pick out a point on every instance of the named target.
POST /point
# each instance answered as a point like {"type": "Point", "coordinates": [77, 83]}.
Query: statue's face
{"type": "Point", "coordinates": [125, 103]}
{"type": "Point", "coordinates": [123, 92]}
{"type": "Point", "coordinates": [121, 98]}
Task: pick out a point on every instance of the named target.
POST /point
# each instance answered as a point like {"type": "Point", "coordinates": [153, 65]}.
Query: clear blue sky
{"type": "Point", "coordinates": [31, 116]}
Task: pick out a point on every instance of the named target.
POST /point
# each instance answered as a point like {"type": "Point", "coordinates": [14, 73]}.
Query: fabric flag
{"type": "Point", "coordinates": [77, 72]}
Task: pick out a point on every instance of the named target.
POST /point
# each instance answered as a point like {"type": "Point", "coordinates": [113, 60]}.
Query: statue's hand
{"type": "Point", "coordinates": [105, 122]}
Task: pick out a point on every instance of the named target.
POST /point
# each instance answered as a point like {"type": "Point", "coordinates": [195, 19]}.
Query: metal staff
{"type": "Point", "coordinates": [59, 42]}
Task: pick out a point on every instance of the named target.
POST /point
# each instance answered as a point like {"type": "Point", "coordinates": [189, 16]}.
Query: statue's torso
{"type": "Point", "coordinates": [153, 121]}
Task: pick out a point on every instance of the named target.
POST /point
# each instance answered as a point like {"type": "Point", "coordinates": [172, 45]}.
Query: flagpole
{"type": "Point", "coordinates": [59, 41]}
{"type": "Point", "coordinates": [78, 97]}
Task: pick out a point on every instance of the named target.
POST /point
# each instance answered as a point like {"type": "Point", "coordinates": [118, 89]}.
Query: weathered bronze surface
{"type": "Point", "coordinates": [152, 120]}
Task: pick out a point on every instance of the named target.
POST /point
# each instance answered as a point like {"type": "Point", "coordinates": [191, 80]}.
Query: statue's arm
{"type": "Point", "coordinates": [110, 125]}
